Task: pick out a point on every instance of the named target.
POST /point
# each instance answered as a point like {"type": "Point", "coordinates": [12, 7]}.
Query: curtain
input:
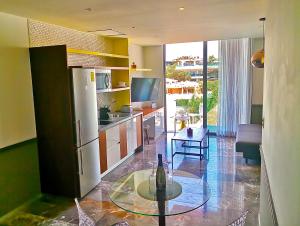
{"type": "Point", "coordinates": [235, 85]}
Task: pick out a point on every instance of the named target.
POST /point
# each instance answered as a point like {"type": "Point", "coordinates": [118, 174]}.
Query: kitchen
{"type": "Point", "coordinates": [73, 48]}
{"type": "Point", "coordinates": [83, 111]}
{"type": "Point", "coordinates": [69, 128]}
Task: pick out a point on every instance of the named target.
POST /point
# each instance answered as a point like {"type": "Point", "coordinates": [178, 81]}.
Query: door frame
{"type": "Point", "coordinates": [205, 79]}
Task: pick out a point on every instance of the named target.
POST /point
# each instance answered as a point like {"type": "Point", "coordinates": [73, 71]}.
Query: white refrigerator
{"type": "Point", "coordinates": [86, 121]}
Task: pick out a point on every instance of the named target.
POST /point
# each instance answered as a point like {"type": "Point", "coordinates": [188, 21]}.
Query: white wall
{"type": "Point", "coordinates": [153, 58]}
{"type": "Point", "coordinates": [281, 143]}
{"type": "Point", "coordinates": [257, 74]}
{"type": "Point", "coordinates": [150, 57]}
{"type": "Point", "coordinates": [16, 102]}
{"type": "Point", "coordinates": [136, 55]}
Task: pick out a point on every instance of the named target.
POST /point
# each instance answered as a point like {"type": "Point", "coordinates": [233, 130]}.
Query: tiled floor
{"type": "Point", "coordinates": [234, 188]}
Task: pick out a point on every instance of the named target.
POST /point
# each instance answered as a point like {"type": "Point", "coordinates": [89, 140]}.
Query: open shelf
{"type": "Point", "coordinates": [112, 68]}
{"type": "Point", "coordinates": [112, 90]}
{"type": "Point", "coordinates": [86, 52]}
{"type": "Point", "coordinates": [140, 69]}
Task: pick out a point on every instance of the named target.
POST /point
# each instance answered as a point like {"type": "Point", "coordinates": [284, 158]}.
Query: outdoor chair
{"type": "Point", "coordinates": [183, 117]}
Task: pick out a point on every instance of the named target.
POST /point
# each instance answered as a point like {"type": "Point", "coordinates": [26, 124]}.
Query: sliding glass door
{"type": "Point", "coordinates": [191, 85]}
{"type": "Point", "coordinates": [184, 72]}
{"type": "Point", "coordinates": [212, 85]}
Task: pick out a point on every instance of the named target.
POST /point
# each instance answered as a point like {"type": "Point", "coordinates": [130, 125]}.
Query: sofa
{"type": "Point", "coordinates": [249, 136]}
{"type": "Point", "coordinates": [248, 140]}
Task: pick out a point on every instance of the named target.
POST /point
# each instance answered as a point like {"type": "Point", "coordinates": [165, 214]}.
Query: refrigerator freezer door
{"type": "Point", "coordinates": [85, 104]}
{"type": "Point", "coordinates": [89, 167]}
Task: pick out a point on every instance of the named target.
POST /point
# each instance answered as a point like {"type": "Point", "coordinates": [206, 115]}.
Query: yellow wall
{"type": "Point", "coordinates": [16, 102]}
{"type": "Point", "coordinates": [281, 142]}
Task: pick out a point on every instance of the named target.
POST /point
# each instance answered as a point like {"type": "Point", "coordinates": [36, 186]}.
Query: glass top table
{"type": "Point", "coordinates": [136, 193]}
{"type": "Point", "coordinates": [198, 136]}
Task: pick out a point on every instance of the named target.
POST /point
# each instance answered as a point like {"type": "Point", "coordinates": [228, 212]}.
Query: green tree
{"type": "Point", "coordinates": [212, 59]}
{"type": "Point", "coordinates": [212, 99]}
{"type": "Point", "coordinates": [194, 104]}
{"type": "Point", "coordinates": [190, 105]}
{"type": "Point", "coordinates": [178, 75]}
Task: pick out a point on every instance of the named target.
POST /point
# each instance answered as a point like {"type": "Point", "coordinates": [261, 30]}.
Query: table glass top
{"type": "Point", "coordinates": [198, 134]}
{"type": "Point", "coordinates": [136, 192]}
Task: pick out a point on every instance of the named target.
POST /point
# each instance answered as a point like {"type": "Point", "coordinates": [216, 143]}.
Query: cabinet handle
{"type": "Point", "coordinates": [81, 163]}
{"type": "Point", "coordinates": [79, 133]}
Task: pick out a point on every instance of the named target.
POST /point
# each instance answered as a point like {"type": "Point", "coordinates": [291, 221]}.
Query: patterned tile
{"type": "Point", "coordinates": [44, 34]}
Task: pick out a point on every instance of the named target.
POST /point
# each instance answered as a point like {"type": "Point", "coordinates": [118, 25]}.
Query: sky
{"type": "Point", "coordinates": [174, 51]}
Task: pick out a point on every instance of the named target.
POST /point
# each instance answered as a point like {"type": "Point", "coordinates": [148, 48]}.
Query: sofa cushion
{"type": "Point", "coordinates": [249, 133]}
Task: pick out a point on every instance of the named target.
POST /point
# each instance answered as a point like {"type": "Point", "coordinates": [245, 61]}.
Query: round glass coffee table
{"type": "Point", "coordinates": [136, 193]}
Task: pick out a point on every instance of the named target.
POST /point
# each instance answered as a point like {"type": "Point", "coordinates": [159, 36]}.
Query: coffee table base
{"type": "Point", "coordinates": [185, 145]}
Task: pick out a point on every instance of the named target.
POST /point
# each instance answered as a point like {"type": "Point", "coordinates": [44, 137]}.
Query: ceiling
{"type": "Point", "coordinates": [150, 22]}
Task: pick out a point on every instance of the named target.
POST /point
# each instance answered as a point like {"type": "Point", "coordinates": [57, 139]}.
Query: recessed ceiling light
{"type": "Point", "coordinates": [181, 8]}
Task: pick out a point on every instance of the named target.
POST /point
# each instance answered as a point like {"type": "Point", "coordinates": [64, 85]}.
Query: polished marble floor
{"type": "Point", "coordinates": [234, 188]}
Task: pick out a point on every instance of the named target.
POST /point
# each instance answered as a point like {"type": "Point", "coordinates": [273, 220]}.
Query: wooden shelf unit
{"type": "Point", "coordinates": [87, 52]}
{"type": "Point", "coordinates": [114, 57]}
{"type": "Point", "coordinates": [112, 68]}
{"type": "Point", "coordinates": [113, 90]}
{"type": "Point", "coordinates": [140, 69]}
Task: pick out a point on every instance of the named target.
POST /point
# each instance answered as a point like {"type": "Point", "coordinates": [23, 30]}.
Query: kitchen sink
{"type": "Point", "coordinates": [113, 115]}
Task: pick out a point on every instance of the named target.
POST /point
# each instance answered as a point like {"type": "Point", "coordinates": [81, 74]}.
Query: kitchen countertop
{"type": "Point", "coordinates": [119, 120]}
{"type": "Point", "coordinates": [149, 110]}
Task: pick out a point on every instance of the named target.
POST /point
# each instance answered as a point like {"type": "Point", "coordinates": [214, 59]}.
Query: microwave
{"type": "Point", "coordinates": [103, 79]}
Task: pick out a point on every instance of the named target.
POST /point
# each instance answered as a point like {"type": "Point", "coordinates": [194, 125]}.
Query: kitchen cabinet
{"type": "Point", "coordinates": [119, 142]}
{"type": "Point", "coordinates": [66, 123]}
{"type": "Point", "coordinates": [139, 131]}
{"type": "Point", "coordinates": [113, 146]}
{"type": "Point", "coordinates": [131, 135]}
{"type": "Point", "coordinates": [123, 140]}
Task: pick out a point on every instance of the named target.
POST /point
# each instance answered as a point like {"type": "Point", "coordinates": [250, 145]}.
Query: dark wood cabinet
{"type": "Point", "coordinates": [52, 85]}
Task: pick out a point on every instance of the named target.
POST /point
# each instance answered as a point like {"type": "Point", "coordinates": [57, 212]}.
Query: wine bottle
{"type": "Point", "coordinates": [160, 175]}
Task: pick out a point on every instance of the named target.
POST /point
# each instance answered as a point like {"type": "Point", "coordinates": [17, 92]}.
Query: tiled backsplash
{"type": "Point", "coordinates": [44, 34]}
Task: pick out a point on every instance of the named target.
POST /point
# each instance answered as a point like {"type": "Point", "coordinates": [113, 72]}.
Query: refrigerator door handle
{"type": "Point", "coordinates": [79, 133]}
{"type": "Point", "coordinates": [81, 166]}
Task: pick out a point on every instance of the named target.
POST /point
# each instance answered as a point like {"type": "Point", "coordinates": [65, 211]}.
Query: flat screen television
{"type": "Point", "coordinates": [144, 89]}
